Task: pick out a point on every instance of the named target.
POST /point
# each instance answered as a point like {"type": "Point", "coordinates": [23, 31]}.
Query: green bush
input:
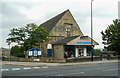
{"type": "Point", "coordinates": [20, 55]}
{"type": "Point", "coordinates": [17, 51]}
{"type": "Point", "coordinates": [97, 52]}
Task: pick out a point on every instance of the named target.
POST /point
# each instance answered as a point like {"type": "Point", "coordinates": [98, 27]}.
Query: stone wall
{"type": "Point", "coordinates": [67, 21]}
{"type": "Point", "coordinates": [43, 48]}
{"type": "Point", "coordinates": [42, 59]}
{"type": "Point", "coordinates": [59, 30]}
{"type": "Point", "coordinates": [6, 54]}
{"type": "Point", "coordinates": [53, 60]}
{"type": "Point", "coordinates": [83, 59]}
{"type": "Point", "coordinates": [58, 52]}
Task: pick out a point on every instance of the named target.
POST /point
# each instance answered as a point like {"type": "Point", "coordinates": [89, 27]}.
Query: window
{"type": "Point", "coordinates": [39, 52]}
{"type": "Point", "coordinates": [35, 53]}
{"type": "Point", "coordinates": [30, 53]}
{"type": "Point", "coordinates": [68, 32]}
{"type": "Point", "coordinates": [81, 52]}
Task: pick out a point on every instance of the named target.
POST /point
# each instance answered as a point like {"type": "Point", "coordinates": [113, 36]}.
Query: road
{"type": "Point", "coordinates": [110, 69]}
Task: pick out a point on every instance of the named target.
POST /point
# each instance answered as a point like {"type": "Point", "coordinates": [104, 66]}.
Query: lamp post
{"type": "Point", "coordinates": [91, 34]}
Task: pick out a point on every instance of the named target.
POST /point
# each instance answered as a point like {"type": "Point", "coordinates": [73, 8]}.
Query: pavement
{"type": "Point", "coordinates": [39, 64]}
{"type": "Point", "coordinates": [107, 69]}
{"type": "Point", "coordinates": [33, 69]}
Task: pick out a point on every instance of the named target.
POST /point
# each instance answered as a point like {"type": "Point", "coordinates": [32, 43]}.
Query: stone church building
{"type": "Point", "coordinates": [65, 36]}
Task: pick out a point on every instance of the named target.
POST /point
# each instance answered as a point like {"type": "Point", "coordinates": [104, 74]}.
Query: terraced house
{"type": "Point", "coordinates": [65, 37]}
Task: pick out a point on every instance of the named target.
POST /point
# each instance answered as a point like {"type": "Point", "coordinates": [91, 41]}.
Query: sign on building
{"type": "Point", "coordinates": [34, 52]}
{"type": "Point", "coordinates": [49, 46]}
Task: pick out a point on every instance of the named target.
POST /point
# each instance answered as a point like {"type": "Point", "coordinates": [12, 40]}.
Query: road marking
{"type": "Point", "coordinates": [4, 69]}
{"type": "Point", "coordinates": [44, 67]}
{"type": "Point", "coordinates": [70, 74]}
{"type": "Point", "coordinates": [77, 73]}
{"type": "Point", "coordinates": [58, 75]}
{"type": "Point", "coordinates": [26, 68]}
{"type": "Point", "coordinates": [36, 67]}
{"type": "Point", "coordinates": [15, 68]}
{"type": "Point", "coordinates": [110, 69]}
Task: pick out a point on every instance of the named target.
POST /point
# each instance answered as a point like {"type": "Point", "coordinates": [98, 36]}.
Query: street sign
{"type": "Point", "coordinates": [36, 59]}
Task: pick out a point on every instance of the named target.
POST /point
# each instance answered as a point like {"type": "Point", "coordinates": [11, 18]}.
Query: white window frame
{"type": "Point", "coordinates": [39, 53]}
{"type": "Point", "coordinates": [30, 53]}
{"type": "Point", "coordinates": [35, 51]}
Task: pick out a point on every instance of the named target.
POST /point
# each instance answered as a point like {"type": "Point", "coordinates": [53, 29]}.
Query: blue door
{"type": "Point", "coordinates": [49, 52]}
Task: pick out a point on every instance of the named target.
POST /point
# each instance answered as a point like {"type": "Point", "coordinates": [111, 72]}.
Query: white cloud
{"type": "Point", "coordinates": [99, 25]}
{"type": "Point", "coordinates": [21, 12]}
{"type": "Point", "coordinates": [34, 13]}
{"type": "Point", "coordinates": [40, 11]}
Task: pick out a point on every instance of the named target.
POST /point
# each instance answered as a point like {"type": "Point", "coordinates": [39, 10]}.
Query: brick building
{"type": "Point", "coordinates": [65, 36]}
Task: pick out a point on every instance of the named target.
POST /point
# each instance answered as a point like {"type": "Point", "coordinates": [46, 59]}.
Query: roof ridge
{"type": "Point", "coordinates": [49, 24]}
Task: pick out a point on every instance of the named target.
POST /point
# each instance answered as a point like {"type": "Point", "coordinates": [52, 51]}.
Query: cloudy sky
{"type": "Point", "coordinates": [17, 13]}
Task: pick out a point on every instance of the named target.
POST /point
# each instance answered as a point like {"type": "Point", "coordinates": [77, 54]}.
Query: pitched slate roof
{"type": "Point", "coordinates": [82, 37]}
{"type": "Point", "coordinates": [65, 40]}
{"type": "Point", "coordinates": [48, 25]}
{"type": "Point", "coordinates": [68, 39]}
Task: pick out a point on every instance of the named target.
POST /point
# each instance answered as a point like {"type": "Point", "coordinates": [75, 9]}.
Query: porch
{"type": "Point", "coordinates": [75, 47]}
{"type": "Point", "coordinates": [76, 51]}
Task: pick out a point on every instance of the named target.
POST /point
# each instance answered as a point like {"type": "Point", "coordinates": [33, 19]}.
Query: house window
{"type": "Point", "coordinates": [35, 53]}
{"type": "Point", "coordinates": [30, 53]}
{"type": "Point", "coordinates": [68, 32]}
{"type": "Point", "coordinates": [81, 52]}
{"type": "Point", "coordinates": [39, 52]}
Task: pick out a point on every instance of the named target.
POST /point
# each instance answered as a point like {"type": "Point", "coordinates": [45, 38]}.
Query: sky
{"type": "Point", "coordinates": [17, 13]}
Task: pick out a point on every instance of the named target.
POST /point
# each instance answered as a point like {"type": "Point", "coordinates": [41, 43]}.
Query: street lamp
{"type": "Point", "coordinates": [91, 34]}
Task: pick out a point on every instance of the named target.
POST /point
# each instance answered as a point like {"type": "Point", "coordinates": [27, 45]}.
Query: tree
{"type": "Point", "coordinates": [17, 51]}
{"type": "Point", "coordinates": [28, 36]}
{"type": "Point", "coordinates": [97, 52]}
{"type": "Point", "coordinates": [17, 36]}
{"type": "Point", "coordinates": [111, 37]}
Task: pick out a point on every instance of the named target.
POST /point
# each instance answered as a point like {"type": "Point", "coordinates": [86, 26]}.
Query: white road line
{"type": "Point", "coordinates": [81, 72]}
{"type": "Point", "coordinates": [36, 67]}
{"type": "Point", "coordinates": [44, 67]}
{"type": "Point", "coordinates": [58, 75]}
{"type": "Point", "coordinates": [110, 69]}
{"type": "Point", "coordinates": [26, 68]}
{"type": "Point", "coordinates": [4, 69]}
{"type": "Point", "coordinates": [15, 68]}
{"type": "Point", "coordinates": [77, 73]}
{"type": "Point", "coordinates": [70, 74]}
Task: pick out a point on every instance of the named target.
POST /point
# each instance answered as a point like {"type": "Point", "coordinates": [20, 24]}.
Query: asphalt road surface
{"type": "Point", "coordinates": [110, 69]}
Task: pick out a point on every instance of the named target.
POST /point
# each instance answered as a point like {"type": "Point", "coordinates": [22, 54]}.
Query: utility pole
{"type": "Point", "coordinates": [91, 33]}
